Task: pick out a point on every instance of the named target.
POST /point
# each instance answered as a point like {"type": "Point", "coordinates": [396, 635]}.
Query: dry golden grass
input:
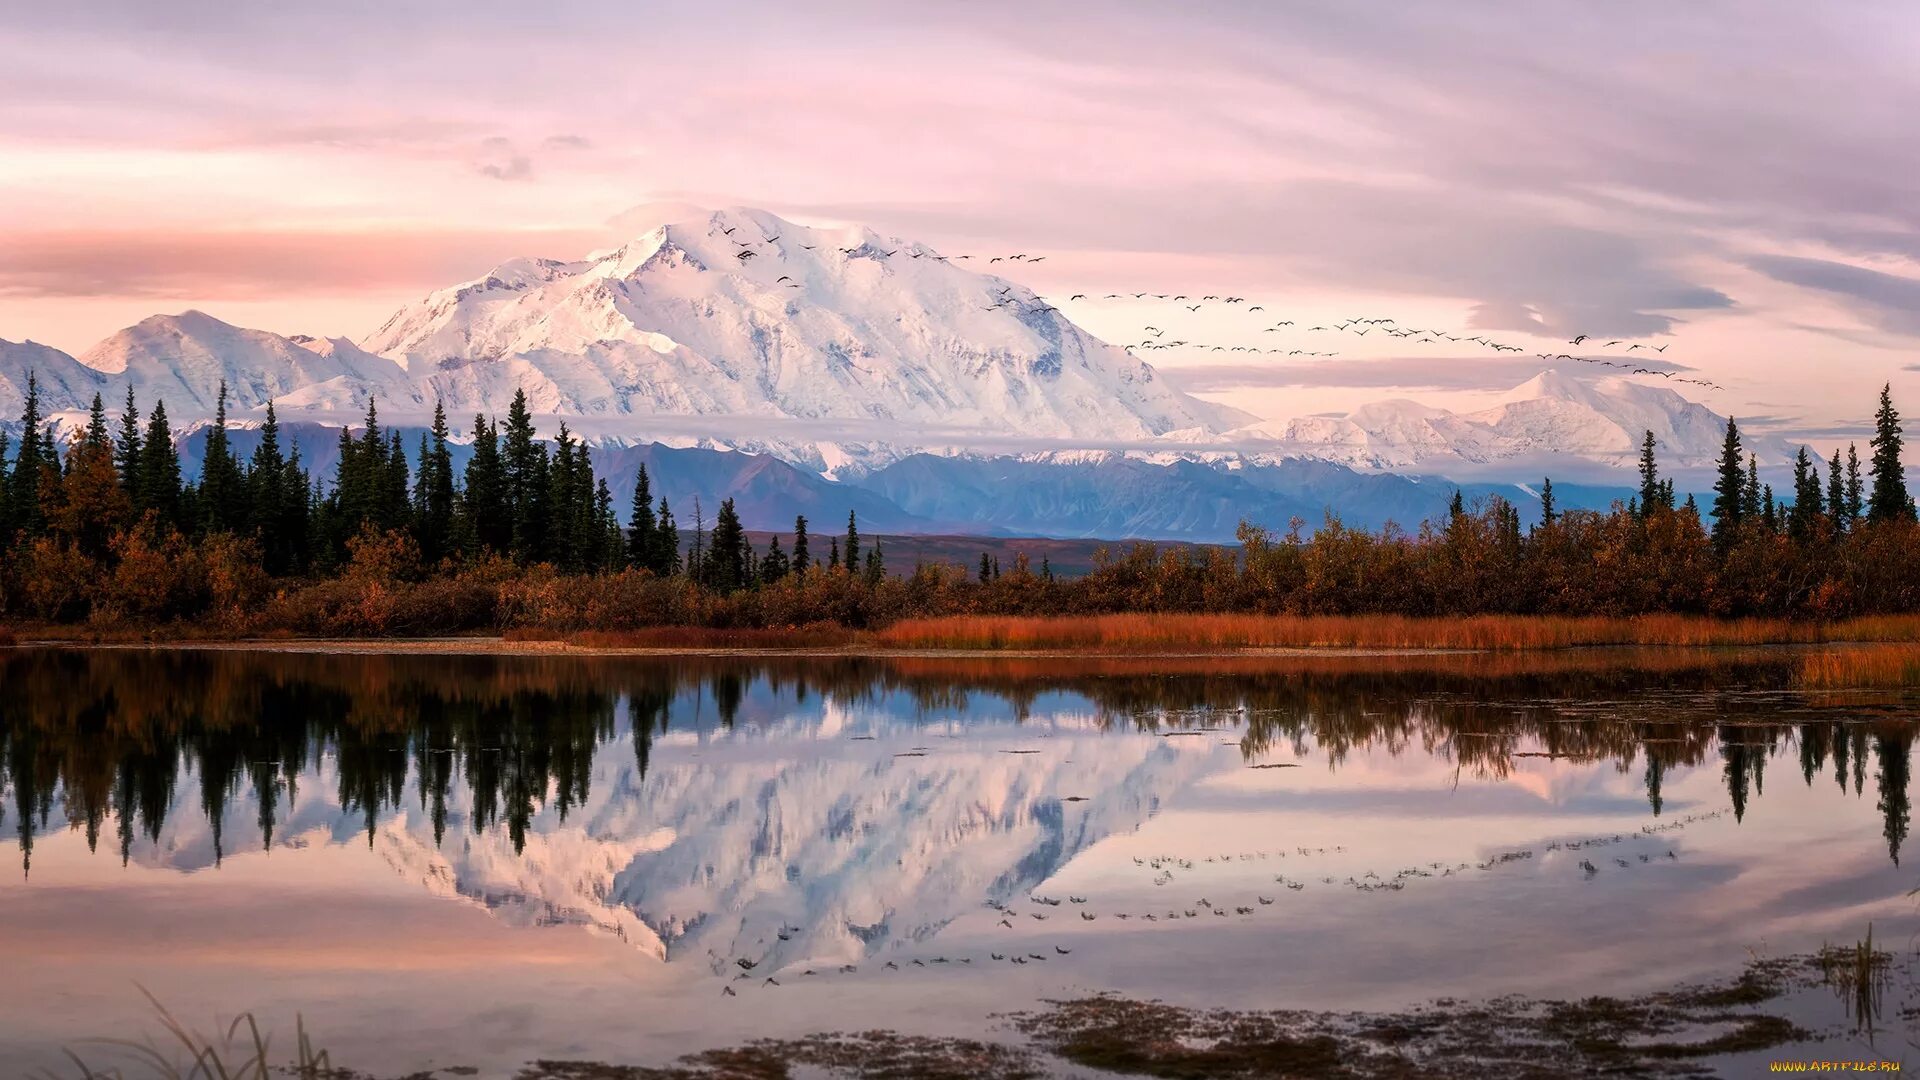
{"type": "Point", "coordinates": [1860, 667]}
{"type": "Point", "coordinates": [1144, 632]}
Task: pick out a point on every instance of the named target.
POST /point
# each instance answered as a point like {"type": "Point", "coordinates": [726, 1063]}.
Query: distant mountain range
{"type": "Point", "coordinates": [861, 372]}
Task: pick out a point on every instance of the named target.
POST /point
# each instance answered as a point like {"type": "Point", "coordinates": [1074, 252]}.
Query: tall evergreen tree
{"type": "Point", "coordinates": [1836, 492]}
{"type": "Point", "coordinates": [435, 492]}
{"type": "Point", "coordinates": [222, 487]}
{"type": "Point", "coordinates": [29, 468]}
{"type": "Point", "coordinates": [1805, 516]}
{"type": "Point", "coordinates": [852, 551]}
{"type": "Point", "coordinates": [276, 501]}
{"type": "Point", "coordinates": [485, 507]}
{"type": "Point", "coordinates": [1750, 501]}
{"type": "Point", "coordinates": [526, 481]}
{"type": "Point", "coordinates": [876, 570]}
{"type": "Point", "coordinates": [727, 565]}
{"type": "Point", "coordinates": [1888, 500]}
{"type": "Point", "coordinates": [126, 450]}
{"type": "Point", "coordinates": [640, 524]}
{"type": "Point", "coordinates": [774, 565]}
{"type": "Point", "coordinates": [1547, 510]}
{"type": "Point", "coordinates": [801, 560]}
{"type": "Point", "coordinates": [666, 558]}
{"type": "Point", "coordinates": [1728, 488]}
{"type": "Point", "coordinates": [1650, 489]}
{"type": "Point", "coordinates": [1856, 502]}
{"type": "Point", "coordinates": [159, 470]}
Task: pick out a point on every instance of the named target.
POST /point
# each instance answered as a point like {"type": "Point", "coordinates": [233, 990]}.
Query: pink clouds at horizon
{"type": "Point", "coordinates": [1719, 175]}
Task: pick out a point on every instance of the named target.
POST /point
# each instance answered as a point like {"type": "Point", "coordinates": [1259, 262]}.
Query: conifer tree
{"type": "Point", "coordinates": [1836, 493]}
{"type": "Point", "coordinates": [276, 501]}
{"type": "Point", "coordinates": [852, 551]}
{"type": "Point", "coordinates": [774, 565]}
{"type": "Point", "coordinates": [876, 570]}
{"type": "Point", "coordinates": [1750, 504]}
{"type": "Point", "coordinates": [726, 566]}
{"type": "Point", "coordinates": [1888, 500]}
{"type": "Point", "coordinates": [986, 568]}
{"type": "Point", "coordinates": [435, 496]}
{"type": "Point", "coordinates": [666, 557]}
{"type": "Point", "coordinates": [222, 487]}
{"type": "Point", "coordinates": [1650, 489]}
{"type": "Point", "coordinates": [126, 450]}
{"type": "Point", "coordinates": [641, 543]}
{"type": "Point", "coordinates": [1728, 488]}
{"type": "Point", "coordinates": [1804, 517]}
{"type": "Point", "coordinates": [833, 553]}
{"type": "Point", "coordinates": [484, 502]}
{"type": "Point", "coordinates": [1547, 510]}
{"type": "Point", "coordinates": [526, 481]}
{"type": "Point", "coordinates": [1856, 503]}
{"type": "Point", "coordinates": [801, 560]}
{"type": "Point", "coordinates": [159, 469]}
{"type": "Point", "coordinates": [23, 489]}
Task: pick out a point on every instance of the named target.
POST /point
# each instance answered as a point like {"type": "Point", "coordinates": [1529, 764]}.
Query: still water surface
{"type": "Point", "coordinates": [481, 860]}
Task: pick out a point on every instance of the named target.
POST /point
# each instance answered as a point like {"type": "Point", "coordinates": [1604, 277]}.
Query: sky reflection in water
{"type": "Point", "coordinates": [444, 860]}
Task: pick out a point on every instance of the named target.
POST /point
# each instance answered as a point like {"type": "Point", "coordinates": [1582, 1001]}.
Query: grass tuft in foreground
{"type": "Point", "coordinates": [188, 1055]}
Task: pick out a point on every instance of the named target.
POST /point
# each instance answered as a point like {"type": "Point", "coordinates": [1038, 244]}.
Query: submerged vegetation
{"type": "Point", "coordinates": [104, 535]}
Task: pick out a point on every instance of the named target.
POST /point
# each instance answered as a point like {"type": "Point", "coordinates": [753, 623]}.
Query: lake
{"type": "Point", "coordinates": [475, 861]}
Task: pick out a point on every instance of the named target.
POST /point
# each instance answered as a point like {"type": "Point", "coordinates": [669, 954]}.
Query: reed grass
{"type": "Point", "coordinates": [1858, 974]}
{"type": "Point", "coordinates": [229, 1058]}
{"type": "Point", "coordinates": [1860, 667]}
{"type": "Point", "coordinates": [1148, 632]}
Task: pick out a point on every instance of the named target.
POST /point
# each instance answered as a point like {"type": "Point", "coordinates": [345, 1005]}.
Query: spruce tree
{"type": "Point", "coordinates": [774, 565]}
{"type": "Point", "coordinates": [435, 498]}
{"type": "Point", "coordinates": [726, 566]}
{"type": "Point", "coordinates": [222, 487]}
{"type": "Point", "coordinates": [526, 481]}
{"type": "Point", "coordinates": [1856, 502]}
{"type": "Point", "coordinates": [271, 516]}
{"type": "Point", "coordinates": [1547, 510]}
{"type": "Point", "coordinates": [1888, 499]}
{"type": "Point", "coordinates": [484, 503]}
{"type": "Point", "coordinates": [640, 523]}
{"type": "Point", "coordinates": [1750, 503]}
{"type": "Point", "coordinates": [126, 450]}
{"type": "Point", "coordinates": [1728, 488]}
{"type": "Point", "coordinates": [801, 560]}
{"type": "Point", "coordinates": [852, 551]}
{"type": "Point", "coordinates": [1650, 490]}
{"type": "Point", "coordinates": [666, 542]}
{"type": "Point", "coordinates": [876, 570]}
{"type": "Point", "coordinates": [1805, 516]}
{"type": "Point", "coordinates": [833, 553]}
{"type": "Point", "coordinates": [1836, 492]}
{"type": "Point", "coordinates": [23, 489]}
{"type": "Point", "coordinates": [159, 469]}
{"type": "Point", "coordinates": [986, 568]}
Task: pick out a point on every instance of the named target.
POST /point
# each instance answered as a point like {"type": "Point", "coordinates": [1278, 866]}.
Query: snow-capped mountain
{"type": "Point", "coordinates": [741, 314]}
{"type": "Point", "coordinates": [64, 383]}
{"type": "Point", "coordinates": [182, 360]}
{"type": "Point", "coordinates": [1601, 420]}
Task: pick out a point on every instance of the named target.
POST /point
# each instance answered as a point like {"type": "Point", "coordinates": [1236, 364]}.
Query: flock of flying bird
{"type": "Point", "coordinates": [1359, 326]}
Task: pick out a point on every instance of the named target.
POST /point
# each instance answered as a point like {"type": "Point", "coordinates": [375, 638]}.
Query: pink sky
{"type": "Point", "coordinates": [1724, 177]}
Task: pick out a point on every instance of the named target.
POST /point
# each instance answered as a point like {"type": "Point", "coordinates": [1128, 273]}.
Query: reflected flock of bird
{"type": "Point", "coordinates": [1155, 339]}
{"type": "Point", "coordinates": [1016, 922]}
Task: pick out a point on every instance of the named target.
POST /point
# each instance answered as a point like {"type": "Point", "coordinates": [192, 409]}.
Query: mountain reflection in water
{"type": "Point", "coordinates": [809, 814]}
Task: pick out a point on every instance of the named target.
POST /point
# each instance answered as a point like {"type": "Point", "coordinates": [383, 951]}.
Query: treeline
{"type": "Point", "coordinates": [106, 531]}
{"type": "Point", "coordinates": [109, 742]}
